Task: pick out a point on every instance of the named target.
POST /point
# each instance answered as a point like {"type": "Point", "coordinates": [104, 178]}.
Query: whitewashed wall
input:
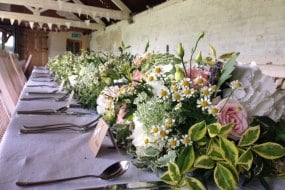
{"type": "Point", "coordinates": [57, 42]}
{"type": "Point", "coordinates": [256, 28]}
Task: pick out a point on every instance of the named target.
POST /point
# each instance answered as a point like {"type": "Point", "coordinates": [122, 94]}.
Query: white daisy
{"type": "Point", "coordinates": [164, 93]}
{"type": "Point", "coordinates": [177, 97]}
{"type": "Point", "coordinates": [173, 142]}
{"type": "Point", "coordinates": [203, 103]}
{"type": "Point", "coordinates": [163, 134]}
{"type": "Point", "coordinates": [155, 130]}
{"type": "Point", "coordinates": [186, 140]}
{"type": "Point", "coordinates": [199, 81]}
{"type": "Point", "coordinates": [188, 92]}
{"type": "Point", "coordinates": [213, 110]}
{"type": "Point", "coordinates": [169, 121]}
{"type": "Point", "coordinates": [205, 91]}
{"type": "Point", "coordinates": [236, 84]}
{"type": "Point", "coordinates": [185, 83]}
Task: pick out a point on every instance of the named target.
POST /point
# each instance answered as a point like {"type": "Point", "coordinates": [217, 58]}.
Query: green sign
{"type": "Point", "coordinates": [75, 35]}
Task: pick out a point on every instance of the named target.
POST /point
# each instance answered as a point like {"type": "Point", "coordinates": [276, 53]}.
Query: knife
{"type": "Point", "coordinates": [158, 185]}
{"type": "Point", "coordinates": [36, 112]}
{"type": "Point", "coordinates": [51, 92]}
{"type": "Point", "coordinates": [41, 80]}
{"type": "Point", "coordinates": [42, 85]}
{"type": "Point", "coordinates": [37, 98]}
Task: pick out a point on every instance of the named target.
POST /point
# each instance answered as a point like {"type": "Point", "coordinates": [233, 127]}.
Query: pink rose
{"type": "Point", "coordinates": [121, 114]}
{"type": "Point", "coordinates": [231, 111]}
{"type": "Point", "coordinates": [195, 73]}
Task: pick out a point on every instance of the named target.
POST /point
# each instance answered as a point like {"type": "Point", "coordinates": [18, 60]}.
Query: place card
{"type": "Point", "coordinates": [96, 140]}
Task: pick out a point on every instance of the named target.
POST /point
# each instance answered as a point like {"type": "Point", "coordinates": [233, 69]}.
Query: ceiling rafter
{"type": "Point", "coordinates": [97, 19]}
{"type": "Point", "coordinates": [35, 11]}
{"type": "Point", "coordinates": [71, 7]}
{"type": "Point", "coordinates": [50, 20]}
{"type": "Point", "coordinates": [121, 5]}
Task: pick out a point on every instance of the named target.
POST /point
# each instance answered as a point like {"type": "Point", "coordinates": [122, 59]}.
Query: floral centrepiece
{"type": "Point", "coordinates": [208, 119]}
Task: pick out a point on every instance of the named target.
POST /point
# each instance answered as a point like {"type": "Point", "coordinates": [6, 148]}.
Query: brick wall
{"type": "Point", "coordinates": [256, 28]}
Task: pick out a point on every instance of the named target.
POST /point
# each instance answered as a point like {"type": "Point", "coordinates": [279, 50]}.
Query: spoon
{"type": "Point", "coordinates": [113, 171]}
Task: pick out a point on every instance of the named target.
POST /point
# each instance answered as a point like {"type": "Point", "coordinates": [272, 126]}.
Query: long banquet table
{"type": "Point", "coordinates": [59, 154]}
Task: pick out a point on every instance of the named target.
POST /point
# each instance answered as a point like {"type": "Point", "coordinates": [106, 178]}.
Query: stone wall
{"type": "Point", "coordinates": [256, 29]}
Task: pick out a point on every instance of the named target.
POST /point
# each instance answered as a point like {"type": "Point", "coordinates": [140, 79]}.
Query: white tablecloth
{"type": "Point", "coordinates": [25, 157]}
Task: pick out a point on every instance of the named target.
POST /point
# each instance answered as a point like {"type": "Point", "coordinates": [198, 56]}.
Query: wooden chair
{"type": "Point", "coordinates": [4, 118]}
{"type": "Point", "coordinates": [277, 72]}
{"type": "Point", "coordinates": [12, 82]}
{"type": "Point", "coordinates": [18, 68]}
{"type": "Point", "coordinates": [27, 63]}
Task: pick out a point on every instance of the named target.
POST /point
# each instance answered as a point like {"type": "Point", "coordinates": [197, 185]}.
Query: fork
{"type": "Point", "coordinates": [44, 130]}
{"type": "Point", "coordinates": [59, 99]}
{"type": "Point", "coordinates": [61, 126]}
{"type": "Point", "coordinates": [43, 85]}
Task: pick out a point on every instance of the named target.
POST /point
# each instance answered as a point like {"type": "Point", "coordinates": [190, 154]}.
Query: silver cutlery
{"type": "Point", "coordinates": [53, 112]}
{"type": "Point", "coordinates": [59, 126]}
{"type": "Point", "coordinates": [42, 80]}
{"type": "Point", "coordinates": [50, 92]}
{"type": "Point", "coordinates": [51, 129]}
{"type": "Point", "coordinates": [56, 91]}
{"type": "Point", "coordinates": [63, 124]}
{"type": "Point", "coordinates": [59, 99]}
{"type": "Point", "coordinates": [43, 85]}
{"type": "Point", "coordinates": [113, 171]}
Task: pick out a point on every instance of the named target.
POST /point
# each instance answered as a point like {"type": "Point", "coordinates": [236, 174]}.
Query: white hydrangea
{"type": "Point", "coordinates": [259, 95]}
{"type": "Point", "coordinates": [139, 135]}
{"type": "Point", "coordinates": [104, 101]}
{"type": "Point", "coordinates": [72, 80]}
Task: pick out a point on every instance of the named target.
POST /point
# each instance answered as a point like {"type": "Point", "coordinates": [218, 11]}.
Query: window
{"type": "Point", "coordinates": [73, 45]}
{"type": "Point", "coordinates": [8, 39]}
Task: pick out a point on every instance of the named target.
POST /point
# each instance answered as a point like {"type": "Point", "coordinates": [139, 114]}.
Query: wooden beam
{"type": "Point", "coordinates": [97, 19]}
{"type": "Point", "coordinates": [51, 20]}
{"type": "Point", "coordinates": [121, 5]}
{"type": "Point", "coordinates": [71, 7]}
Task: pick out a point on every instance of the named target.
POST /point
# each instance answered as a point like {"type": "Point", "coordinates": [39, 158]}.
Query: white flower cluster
{"type": "Point", "coordinates": [259, 94]}
{"type": "Point", "coordinates": [105, 99]}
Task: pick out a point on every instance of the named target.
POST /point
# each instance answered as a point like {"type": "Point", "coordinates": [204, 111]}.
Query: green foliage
{"type": "Point", "coordinates": [208, 153]}
{"type": "Point", "coordinates": [224, 178]}
{"type": "Point", "coordinates": [229, 150]}
{"type": "Point", "coordinates": [246, 159]}
{"type": "Point", "coordinates": [198, 131]}
{"type": "Point", "coordinates": [225, 158]}
{"type": "Point", "coordinates": [269, 150]}
{"type": "Point", "coordinates": [194, 183]}
{"type": "Point", "coordinates": [174, 172]}
{"type": "Point", "coordinates": [164, 160]}
{"type": "Point", "coordinates": [228, 68]}
{"type": "Point", "coordinates": [186, 159]}
{"type": "Point", "coordinates": [250, 136]}
{"type": "Point", "coordinates": [205, 162]}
